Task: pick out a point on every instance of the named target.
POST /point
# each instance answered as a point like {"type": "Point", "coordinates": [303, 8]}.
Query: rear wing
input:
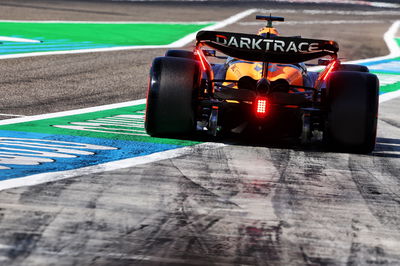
{"type": "Point", "coordinates": [251, 47]}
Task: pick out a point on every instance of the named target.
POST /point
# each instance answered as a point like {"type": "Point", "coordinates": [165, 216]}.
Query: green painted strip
{"type": "Point", "coordinates": [87, 125]}
{"type": "Point", "coordinates": [69, 36]}
{"type": "Point", "coordinates": [385, 73]}
{"type": "Point", "coordinates": [390, 87]}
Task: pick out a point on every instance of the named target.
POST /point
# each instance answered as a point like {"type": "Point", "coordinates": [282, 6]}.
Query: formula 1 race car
{"type": "Point", "coordinates": [263, 85]}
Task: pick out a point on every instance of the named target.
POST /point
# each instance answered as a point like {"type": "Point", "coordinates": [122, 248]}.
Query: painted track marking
{"type": "Point", "coordinates": [115, 165]}
{"type": "Point", "coordinates": [12, 115]}
{"type": "Point", "coordinates": [13, 39]}
{"type": "Point", "coordinates": [58, 37]}
{"type": "Point", "coordinates": [187, 39]}
{"type": "Point", "coordinates": [179, 43]}
{"type": "Point", "coordinates": [110, 22]}
{"type": "Point", "coordinates": [72, 112]}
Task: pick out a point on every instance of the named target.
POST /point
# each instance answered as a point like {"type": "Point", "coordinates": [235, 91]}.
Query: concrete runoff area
{"type": "Point", "coordinates": [241, 204]}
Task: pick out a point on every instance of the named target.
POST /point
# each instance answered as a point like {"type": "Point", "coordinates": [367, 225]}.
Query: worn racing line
{"type": "Point", "coordinates": [241, 204]}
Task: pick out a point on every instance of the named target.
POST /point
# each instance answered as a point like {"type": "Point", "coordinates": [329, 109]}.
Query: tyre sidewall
{"type": "Point", "coordinates": [353, 108]}
{"type": "Point", "coordinates": [171, 97]}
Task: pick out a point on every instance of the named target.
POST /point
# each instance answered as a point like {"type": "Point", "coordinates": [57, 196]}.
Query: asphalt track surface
{"type": "Point", "coordinates": [243, 204]}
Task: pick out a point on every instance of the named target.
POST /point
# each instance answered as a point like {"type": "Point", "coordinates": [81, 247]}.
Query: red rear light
{"type": "Point", "coordinates": [261, 107]}
{"type": "Point", "coordinates": [202, 58]}
{"type": "Point", "coordinates": [331, 67]}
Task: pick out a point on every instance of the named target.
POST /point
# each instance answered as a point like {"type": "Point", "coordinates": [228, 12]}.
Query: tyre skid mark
{"type": "Point", "coordinates": [374, 193]}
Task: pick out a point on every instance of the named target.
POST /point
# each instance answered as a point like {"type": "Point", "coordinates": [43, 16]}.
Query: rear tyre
{"type": "Point", "coordinates": [171, 97]}
{"type": "Point", "coordinates": [353, 109]}
{"type": "Point", "coordinates": [181, 53]}
{"type": "Point", "coordinates": [351, 67]}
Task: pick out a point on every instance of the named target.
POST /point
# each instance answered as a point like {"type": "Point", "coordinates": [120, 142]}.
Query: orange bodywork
{"type": "Point", "coordinates": [290, 73]}
{"type": "Point", "coordinates": [269, 30]}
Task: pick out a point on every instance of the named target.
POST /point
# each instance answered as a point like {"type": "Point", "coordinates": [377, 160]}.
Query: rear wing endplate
{"type": "Point", "coordinates": [251, 47]}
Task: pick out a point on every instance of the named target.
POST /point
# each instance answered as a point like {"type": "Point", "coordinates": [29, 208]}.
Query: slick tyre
{"type": "Point", "coordinates": [171, 97]}
{"type": "Point", "coordinates": [351, 67]}
{"type": "Point", "coordinates": [353, 110]}
{"type": "Point", "coordinates": [181, 53]}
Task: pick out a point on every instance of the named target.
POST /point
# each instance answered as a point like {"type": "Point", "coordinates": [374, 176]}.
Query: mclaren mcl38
{"type": "Point", "coordinates": [262, 83]}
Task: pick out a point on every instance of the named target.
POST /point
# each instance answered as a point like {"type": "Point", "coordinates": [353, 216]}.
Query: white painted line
{"type": "Point", "coordinates": [389, 96]}
{"type": "Point", "coordinates": [13, 39]}
{"type": "Point", "coordinates": [384, 5]}
{"type": "Point", "coordinates": [389, 37]}
{"type": "Point", "coordinates": [72, 112]}
{"type": "Point", "coordinates": [350, 12]}
{"type": "Point", "coordinates": [109, 22]}
{"type": "Point", "coordinates": [388, 79]}
{"type": "Point", "coordinates": [179, 43]}
{"type": "Point", "coordinates": [84, 51]}
{"type": "Point", "coordinates": [332, 12]}
{"type": "Point", "coordinates": [189, 38]}
{"type": "Point", "coordinates": [12, 115]}
{"type": "Point", "coordinates": [110, 166]}
{"type": "Point", "coordinates": [255, 23]}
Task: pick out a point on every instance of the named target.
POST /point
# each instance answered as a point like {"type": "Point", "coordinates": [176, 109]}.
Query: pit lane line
{"type": "Point", "coordinates": [391, 43]}
{"type": "Point", "coordinates": [12, 115]}
{"type": "Point", "coordinates": [54, 176]}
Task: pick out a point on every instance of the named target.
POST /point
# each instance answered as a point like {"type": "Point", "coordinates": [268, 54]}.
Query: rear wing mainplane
{"type": "Point", "coordinates": [275, 49]}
